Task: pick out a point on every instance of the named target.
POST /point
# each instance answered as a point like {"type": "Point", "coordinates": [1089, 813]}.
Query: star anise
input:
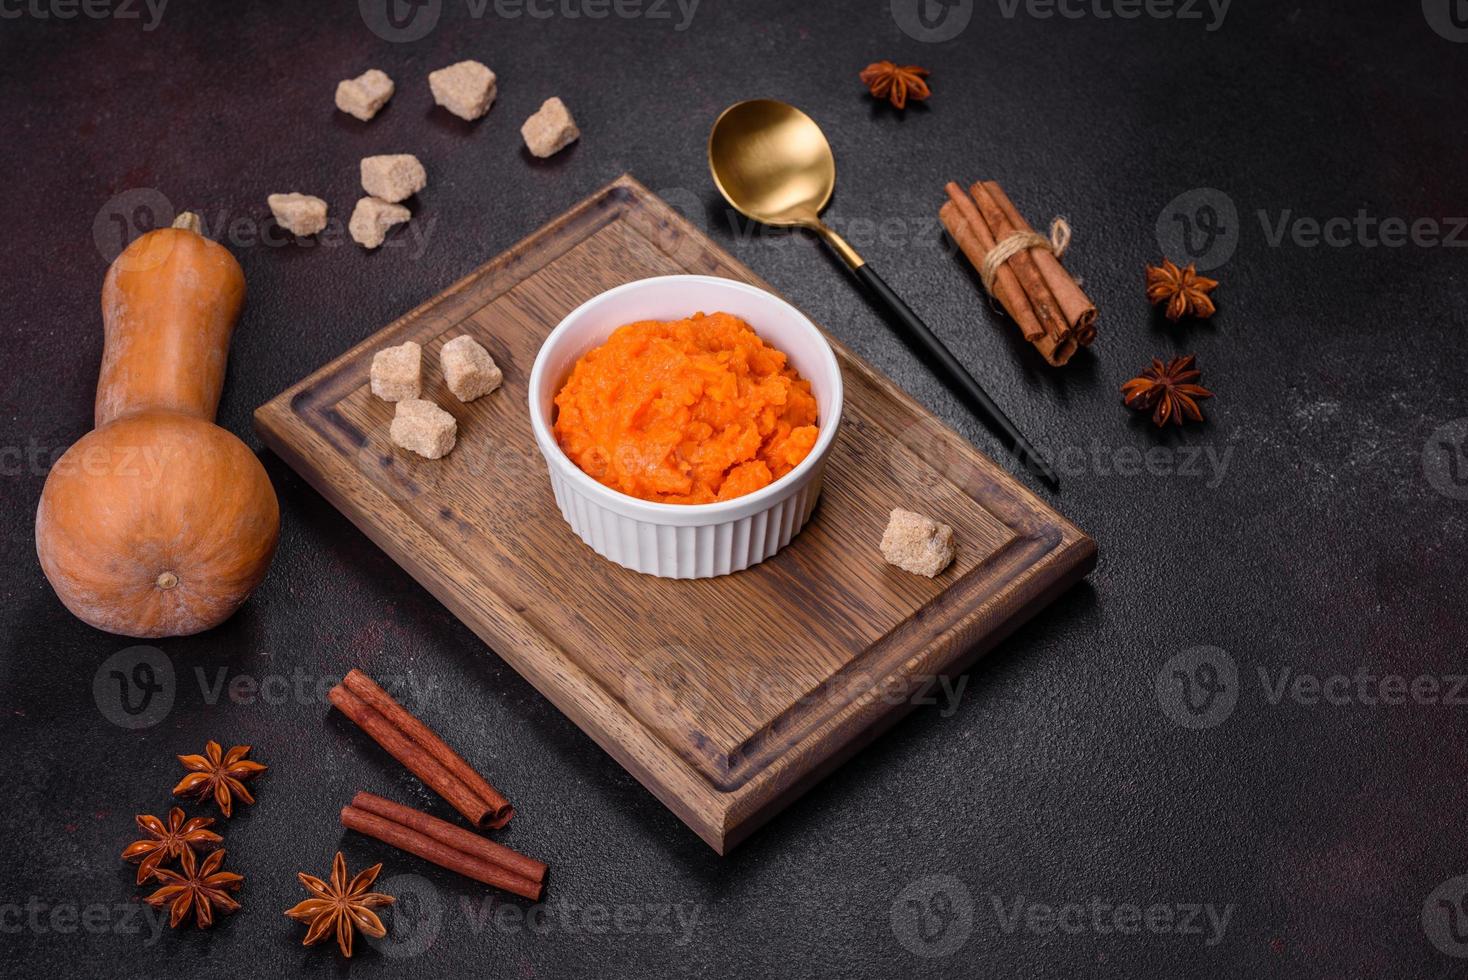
{"type": "Point", "coordinates": [202, 887]}
{"type": "Point", "coordinates": [167, 840]}
{"type": "Point", "coordinates": [219, 775]}
{"type": "Point", "coordinates": [1169, 390]}
{"type": "Point", "coordinates": [339, 906]}
{"type": "Point", "coordinates": [1184, 291]}
{"type": "Point", "coordinates": [895, 83]}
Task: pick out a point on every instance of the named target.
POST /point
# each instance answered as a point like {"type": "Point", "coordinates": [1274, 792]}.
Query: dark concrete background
{"type": "Point", "coordinates": [1324, 535]}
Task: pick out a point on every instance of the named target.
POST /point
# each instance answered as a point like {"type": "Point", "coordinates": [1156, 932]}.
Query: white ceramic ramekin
{"type": "Point", "coordinates": [686, 540]}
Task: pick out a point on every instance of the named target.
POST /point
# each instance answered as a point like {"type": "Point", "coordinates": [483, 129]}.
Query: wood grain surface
{"type": "Point", "coordinates": [725, 697]}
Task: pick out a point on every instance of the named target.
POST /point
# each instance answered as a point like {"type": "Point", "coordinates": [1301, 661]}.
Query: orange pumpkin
{"type": "Point", "coordinates": [158, 522]}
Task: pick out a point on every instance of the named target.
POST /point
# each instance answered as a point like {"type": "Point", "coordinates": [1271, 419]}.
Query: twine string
{"type": "Point", "coordinates": [1012, 245]}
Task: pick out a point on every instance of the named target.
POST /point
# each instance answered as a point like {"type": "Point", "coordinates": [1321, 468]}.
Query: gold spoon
{"type": "Point", "coordinates": [772, 164]}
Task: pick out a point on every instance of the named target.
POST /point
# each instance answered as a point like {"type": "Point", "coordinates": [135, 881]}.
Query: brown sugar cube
{"type": "Point", "coordinates": [468, 369]}
{"type": "Point", "coordinates": [299, 214]}
{"type": "Point", "coordinates": [424, 428]}
{"type": "Point", "coordinates": [466, 89]}
{"type": "Point", "coordinates": [917, 544]}
{"type": "Point", "coordinates": [372, 218]}
{"type": "Point", "coordinates": [393, 177]}
{"type": "Point", "coordinates": [397, 372]}
{"type": "Point", "coordinates": [551, 129]}
{"type": "Point", "coordinates": [364, 95]}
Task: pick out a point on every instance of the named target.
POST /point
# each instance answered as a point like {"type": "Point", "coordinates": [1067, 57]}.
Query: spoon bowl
{"type": "Point", "coordinates": [772, 163]}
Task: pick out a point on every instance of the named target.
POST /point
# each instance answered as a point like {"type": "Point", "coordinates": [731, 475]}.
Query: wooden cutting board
{"type": "Point", "coordinates": [725, 697]}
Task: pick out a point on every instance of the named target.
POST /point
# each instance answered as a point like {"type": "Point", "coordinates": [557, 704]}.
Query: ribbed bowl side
{"type": "Point", "coordinates": [695, 551]}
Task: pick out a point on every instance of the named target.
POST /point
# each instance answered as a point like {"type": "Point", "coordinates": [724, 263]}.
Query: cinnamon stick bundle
{"type": "Point", "coordinates": [434, 850]}
{"type": "Point", "coordinates": [418, 748]}
{"type": "Point", "coordinates": [1021, 270]}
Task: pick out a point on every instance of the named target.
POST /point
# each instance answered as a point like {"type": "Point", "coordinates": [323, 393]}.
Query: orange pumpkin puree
{"type": "Point", "coordinates": [686, 411]}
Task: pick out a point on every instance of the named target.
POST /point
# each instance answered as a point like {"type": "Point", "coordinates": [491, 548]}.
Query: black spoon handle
{"type": "Point", "coordinates": [916, 333]}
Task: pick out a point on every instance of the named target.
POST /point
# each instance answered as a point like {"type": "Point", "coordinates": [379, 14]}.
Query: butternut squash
{"type": "Point", "coordinates": [158, 522]}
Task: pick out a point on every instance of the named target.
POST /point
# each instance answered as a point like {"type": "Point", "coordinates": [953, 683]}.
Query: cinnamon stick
{"type": "Point", "coordinates": [976, 241]}
{"type": "Point", "coordinates": [413, 756]}
{"type": "Point", "coordinates": [1075, 305]}
{"type": "Point", "coordinates": [439, 853]}
{"type": "Point", "coordinates": [1025, 269]}
{"type": "Point", "coordinates": [967, 226]}
{"type": "Point", "coordinates": [367, 690]}
{"type": "Point", "coordinates": [455, 837]}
